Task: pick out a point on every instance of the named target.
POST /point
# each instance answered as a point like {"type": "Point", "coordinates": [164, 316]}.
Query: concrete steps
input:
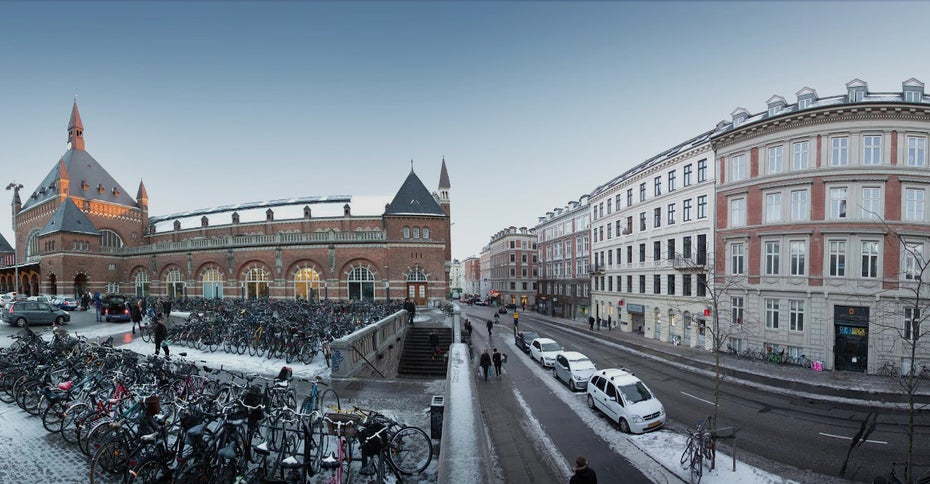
{"type": "Point", "coordinates": [417, 358]}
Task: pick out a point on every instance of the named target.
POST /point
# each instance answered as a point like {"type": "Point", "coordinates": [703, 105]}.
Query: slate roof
{"type": "Point", "coordinates": [81, 167]}
{"type": "Point", "coordinates": [69, 218]}
{"type": "Point", "coordinates": [5, 246]}
{"type": "Point", "coordinates": [414, 199]}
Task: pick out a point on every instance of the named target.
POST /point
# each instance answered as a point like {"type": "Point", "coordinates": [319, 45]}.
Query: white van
{"type": "Point", "coordinates": [626, 400]}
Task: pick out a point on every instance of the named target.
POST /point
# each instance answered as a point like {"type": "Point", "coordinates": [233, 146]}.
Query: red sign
{"type": "Point", "coordinates": [620, 302]}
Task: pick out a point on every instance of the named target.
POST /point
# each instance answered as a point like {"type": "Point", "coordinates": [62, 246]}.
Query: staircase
{"type": "Point", "coordinates": [417, 358]}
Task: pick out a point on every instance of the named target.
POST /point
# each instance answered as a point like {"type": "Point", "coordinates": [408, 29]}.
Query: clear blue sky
{"type": "Point", "coordinates": [532, 104]}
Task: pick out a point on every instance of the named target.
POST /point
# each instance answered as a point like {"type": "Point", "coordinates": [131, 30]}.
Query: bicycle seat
{"type": "Point", "coordinates": [291, 462]}
{"type": "Point", "coordinates": [262, 448]}
{"type": "Point", "coordinates": [66, 385]}
{"type": "Point", "coordinates": [182, 354]}
{"type": "Point", "coordinates": [150, 438]}
{"type": "Point", "coordinates": [197, 430]}
{"type": "Point", "coordinates": [281, 384]}
{"type": "Point", "coordinates": [330, 461]}
{"type": "Point", "coordinates": [228, 452]}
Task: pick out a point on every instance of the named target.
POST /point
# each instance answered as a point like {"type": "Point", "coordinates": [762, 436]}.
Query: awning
{"type": "Point", "coordinates": [494, 293]}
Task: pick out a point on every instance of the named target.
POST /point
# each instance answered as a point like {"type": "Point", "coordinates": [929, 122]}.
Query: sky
{"type": "Point", "coordinates": [531, 104]}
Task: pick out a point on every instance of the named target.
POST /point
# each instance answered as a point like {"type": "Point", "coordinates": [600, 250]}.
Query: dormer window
{"type": "Point", "coordinates": [806, 98]}
{"type": "Point", "coordinates": [913, 96]}
{"type": "Point", "coordinates": [84, 185]}
{"type": "Point", "coordinates": [856, 89]}
{"type": "Point", "coordinates": [115, 192]}
{"type": "Point", "coordinates": [100, 188]}
{"type": "Point", "coordinates": [774, 110]}
{"type": "Point", "coordinates": [805, 103]}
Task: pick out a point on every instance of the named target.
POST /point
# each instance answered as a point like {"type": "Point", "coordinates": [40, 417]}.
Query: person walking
{"type": "Point", "coordinates": [516, 322]}
{"type": "Point", "coordinates": [582, 473]}
{"type": "Point", "coordinates": [608, 322]}
{"type": "Point", "coordinates": [490, 326]}
{"type": "Point", "coordinates": [327, 353]}
{"type": "Point", "coordinates": [434, 344]}
{"type": "Point", "coordinates": [161, 334]}
{"type": "Point", "coordinates": [411, 309]}
{"type": "Point", "coordinates": [468, 328]}
{"type": "Point", "coordinates": [591, 322]}
{"type": "Point", "coordinates": [166, 306]}
{"type": "Point", "coordinates": [135, 315]}
{"type": "Point", "coordinates": [497, 358]}
{"type": "Point", "coordinates": [485, 363]}
{"type": "Point", "coordinates": [99, 305]}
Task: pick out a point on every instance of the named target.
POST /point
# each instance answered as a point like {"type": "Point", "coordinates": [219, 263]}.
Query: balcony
{"type": "Point", "coordinates": [688, 264]}
{"type": "Point", "coordinates": [597, 270]}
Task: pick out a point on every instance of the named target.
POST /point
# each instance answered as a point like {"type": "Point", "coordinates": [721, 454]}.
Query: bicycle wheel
{"type": "Point", "coordinates": [69, 422]}
{"type": "Point", "coordinates": [306, 405]}
{"type": "Point", "coordinates": [313, 446]}
{"type": "Point", "coordinates": [52, 416]}
{"type": "Point", "coordinates": [146, 333]}
{"type": "Point", "coordinates": [147, 471]}
{"type": "Point", "coordinates": [252, 348]}
{"type": "Point", "coordinates": [110, 462]}
{"type": "Point", "coordinates": [411, 450]}
{"type": "Point", "coordinates": [697, 465]}
{"type": "Point", "coordinates": [328, 401]}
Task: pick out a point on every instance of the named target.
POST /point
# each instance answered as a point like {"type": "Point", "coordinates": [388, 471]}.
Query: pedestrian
{"type": "Point", "coordinates": [583, 474]}
{"type": "Point", "coordinates": [434, 344]}
{"type": "Point", "coordinates": [161, 335]}
{"type": "Point", "coordinates": [498, 358]}
{"type": "Point", "coordinates": [516, 322]}
{"type": "Point", "coordinates": [598, 323]}
{"type": "Point", "coordinates": [327, 353]}
{"type": "Point", "coordinates": [608, 322]}
{"type": "Point", "coordinates": [490, 326]}
{"type": "Point", "coordinates": [166, 306]}
{"type": "Point", "coordinates": [135, 315]}
{"type": "Point", "coordinates": [468, 328]}
{"type": "Point", "coordinates": [411, 310]}
{"type": "Point", "coordinates": [485, 363]}
{"type": "Point", "coordinates": [591, 322]}
{"type": "Point", "coordinates": [99, 305]}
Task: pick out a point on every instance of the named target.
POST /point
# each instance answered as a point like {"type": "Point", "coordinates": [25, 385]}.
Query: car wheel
{"type": "Point", "coordinates": [21, 322]}
{"type": "Point", "coordinates": [590, 402]}
{"type": "Point", "coordinates": [571, 385]}
{"type": "Point", "coordinates": [624, 427]}
{"type": "Point", "coordinates": [555, 373]}
{"type": "Point", "coordinates": [60, 320]}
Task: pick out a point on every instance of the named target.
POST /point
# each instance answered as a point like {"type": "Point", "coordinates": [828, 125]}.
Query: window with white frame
{"type": "Point", "coordinates": [916, 151]}
{"type": "Point", "coordinates": [871, 203]}
{"type": "Point", "coordinates": [737, 212]}
{"type": "Point", "coordinates": [795, 315]}
{"type": "Point", "coordinates": [702, 207]}
{"type": "Point", "coordinates": [629, 197]}
{"type": "Point", "coordinates": [912, 96]}
{"type": "Point", "coordinates": [657, 185]}
{"type": "Point", "coordinates": [686, 176]}
{"type": "Point", "coordinates": [772, 257]}
{"type": "Point", "coordinates": [800, 158]}
{"type": "Point", "coordinates": [642, 192]}
{"type": "Point", "coordinates": [839, 153]}
{"type": "Point", "coordinates": [798, 252]}
{"type": "Point", "coordinates": [871, 150]}
{"type": "Point", "coordinates": [837, 255]}
{"type": "Point", "coordinates": [737, 258]}
{"type": "Point", "coordinates": [773, 207]}
{"type": "Point", "coordinates": [914, 262]}
{"type": "Point", "coordinates": [914, 202]}
{"type": "Point", "coordinates": [610, 206]}
{"type": "Point", "coordinates": [657, 217]}
{"type": "Point", "coordinates": [837, 203]}
{"type": "Point", "coordinates": [671, 181]}
{"type": "Point", "coordinates": [738, 169]}
{"type": "Point", "coordinates": [671, 213]}
{"type": "Point", "coordinates": [776, 157]}
{"type": "Point", "coordinates": [869, 268]}
{"type": "Point", "coordinates": [805, 103]}
{"type": "Point", "coordinates": [702, 171]}
{"type": "Point", "coordinates": [771, 313]}
{"type": "Point", "coordinates": [642, 221]}
{"type": "Point", "coordinates": [686, 210]}
{"type": "Point", "coordinates": [800, 206]}
{"type": "Point", "coordinates": [911, 322]}
{"type": "Point", "coordinates": [736, 310]}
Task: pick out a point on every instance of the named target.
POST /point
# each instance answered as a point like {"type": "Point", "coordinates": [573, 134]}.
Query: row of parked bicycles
{"type": "Point", "coordinates": [148, 420]}
{"type": "Point", "coordinates": [289, 330]}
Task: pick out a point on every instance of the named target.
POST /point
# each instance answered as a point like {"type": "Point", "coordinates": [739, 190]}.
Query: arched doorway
{"type": "Point", "coordinates": [142, 284]}
{"type": "Point", "coordinates": [212, 284]}
{"type": "Point", "coordinates": [361, 284]}
{"type": "Point", "coordinates": [256, 283]}
{"type": "Point", "coordinates": [53, 284]}
{"type": "Point", "coordinates": [80, 285]}
{"type": "Point", "coordinates": [416, 287]}
{"type": "Point", "coordinates": [307, 284]}
{"type": "Point", "coordinates": [34, 285]}
{"type": "Point", "coordinates": [174, 284]}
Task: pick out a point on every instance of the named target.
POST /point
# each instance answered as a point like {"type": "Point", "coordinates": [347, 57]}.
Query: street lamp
{"type": "Point", "coordinates": [16, 187]}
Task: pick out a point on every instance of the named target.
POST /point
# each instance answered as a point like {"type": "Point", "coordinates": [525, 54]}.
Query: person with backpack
{"type": "Point", "coordinates": [498, 359]}
{"type": "Point", "coordinates": [485, 362]}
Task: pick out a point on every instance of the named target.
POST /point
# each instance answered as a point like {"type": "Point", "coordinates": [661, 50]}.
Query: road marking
{"type": "Point", "coordinates": [697, 398]}
{"type": "Point", "coordinates": [850, 438]}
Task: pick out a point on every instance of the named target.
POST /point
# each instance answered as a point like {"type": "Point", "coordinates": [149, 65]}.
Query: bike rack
{"type": "Point", "coordinates": [725, 433]}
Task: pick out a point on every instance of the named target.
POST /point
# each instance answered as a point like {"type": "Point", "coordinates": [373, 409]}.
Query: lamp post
{"type": "Point", "coordinates": [16, 187]}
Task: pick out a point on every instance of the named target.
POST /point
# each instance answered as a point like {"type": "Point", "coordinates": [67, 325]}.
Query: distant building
{"type": "Point", "coordinates": [456, 279]}
{"type": "Point", "coordinates": [564, 251]}
{"type": "Point", "coordinates": [513, 267]}
{"type": "Point", "coordinates": [80, 231]}
{"type": "Point", "coordinates": [471, 273]}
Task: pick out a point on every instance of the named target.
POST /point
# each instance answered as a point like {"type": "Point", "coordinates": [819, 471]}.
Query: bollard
{"type": "Point", "coordinates": [436, 409]}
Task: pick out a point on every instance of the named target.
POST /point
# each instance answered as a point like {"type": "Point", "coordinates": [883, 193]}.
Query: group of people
{"type": "Point", "coordinates": [496, 358]}
{"type": "Point", "coordinates": [607, 323]}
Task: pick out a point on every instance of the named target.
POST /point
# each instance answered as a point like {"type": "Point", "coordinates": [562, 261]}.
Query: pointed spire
{"type": "Point", "coordinates": [62, 171]}
{"type": "Point", "coordinates": [444, 176]}
{"type": "Point", "coordinates": [411, 165]}
{"type": "Point", "coordinates": [75, 129]}
{"type": "Point", "coordinates": [142, 196]}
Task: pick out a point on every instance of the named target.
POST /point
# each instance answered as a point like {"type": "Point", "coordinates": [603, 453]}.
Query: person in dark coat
{"type": "Point", "coordinates": [161, 334]}
{"type": "Point", "coordinates": [166, 307]}
{"type": "Point", "coordinates": [497, 358]}
{"type": "Point", "coordinates": [411, 309]}
{"type": "Point", "coordinates": [99, 305]}
{"type": "Point", "coordinates": [485, 363]}
{"type": "Point", "coordinates": [434, 344]}
{"type": "Point", "coordinates": [591, 322]}
{"type": "Point", "coordinates": [583, 473]}
{"type": "Point", "coordinates": [135, 315]}
{"type": "Point", "coordinates": [490, 326]}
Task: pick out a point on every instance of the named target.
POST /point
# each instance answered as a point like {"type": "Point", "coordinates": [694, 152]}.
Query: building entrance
{"type": "Point", "coordinates": [851, 348]}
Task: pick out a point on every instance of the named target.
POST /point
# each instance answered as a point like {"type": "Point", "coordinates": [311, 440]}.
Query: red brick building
{"type": "Point", "coordinates": [80, 231]}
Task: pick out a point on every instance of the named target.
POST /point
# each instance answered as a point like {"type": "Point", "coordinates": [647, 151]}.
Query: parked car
{"type": "Point", "coordinates": [42, 299]}
{"type": "Point", "coordinates": [626, 400]}
{"type": "Point", "coordinates": [523, 339]}
{"type": "Point", "coordinates": [573, 368]}
{"type": "Point", "coordinates": [30, 313]}
{"type": "Point", "coordinates": [502, 310]}
{"type": "Point", "coordinates": [544, 350]}
{"type": "Point", "coordinates": [511, 306]}
{"type": "Point", "coordinates": [5, 298]}
{"type": "Point", "coordinates": [68, 304]}
{"type": "Point", "coordinates": [115, 308]}
{"type": "Point", "coordinates": [479, 302]}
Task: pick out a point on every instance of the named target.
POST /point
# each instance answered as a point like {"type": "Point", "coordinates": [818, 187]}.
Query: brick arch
{"type": "Point", "coordinates": [171, 266]}
{"type": "Point", "coordinates": [359, 262]}
{"type": "Point", "coordinates": [305, 263]}
{"type": "Point", "coordinates": [204, 267]}
{"type": "Point", "coordinates": [255, 289]}
{"type": "Point", "coordinates": [212, 288]}
{"type": "Point", "coordinates": [305, 289]}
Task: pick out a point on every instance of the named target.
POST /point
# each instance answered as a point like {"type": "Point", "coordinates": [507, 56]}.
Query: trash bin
{"type": "Point", "coordinates": [436, 409]}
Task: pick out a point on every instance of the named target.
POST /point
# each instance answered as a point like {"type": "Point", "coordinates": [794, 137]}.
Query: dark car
{"type": "Point", "coordinates": [502, 310]}
{"type": "Point", "coordinates": [523, 340]}
{"type": "Point", "coordinates": [115, 308]}
{"type": "Point", "coordinates": [21, 313]}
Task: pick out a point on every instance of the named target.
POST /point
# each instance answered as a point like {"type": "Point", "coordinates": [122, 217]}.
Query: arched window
{"type": "Point", "coordinates": [212, 284]}
{"type": "Point", "coordinates": [174, 284]}
{"type": "Point", "coordinates": [142, 284]}
{"type": "Point", "coordinates": [361, 284]}
{"type": "Point", "coordinates": [32, 246]}
{"type": "Point", "coordinates": [110, 240]}
{"type": "Point", "coordinates": [416, 276]}
{"type": "Point", "coordinates": [406, 232]}
{"type": "Point", "coordinates": [307, 284]}
{"type": "Point", "coordinates": [256, 283]}
{"type": "Point", "coordinates": [425, 232]}
{"type": "Point", "coordinates": [416, 232]}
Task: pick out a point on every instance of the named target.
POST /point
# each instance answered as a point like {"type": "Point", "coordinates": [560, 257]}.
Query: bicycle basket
{"type": "Point", "coordinates": [253, 396]}
{"type": "Point", "coordinates": [350, 422]}
{"type": "Point", "coordinates": [152, 405]}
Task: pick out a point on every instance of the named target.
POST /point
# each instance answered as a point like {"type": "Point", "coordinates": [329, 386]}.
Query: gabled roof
{"type": "Point", "coordinates": [413, 199]}
{"type": "Point", "coordinates": [80, 168]}
{"type": "Point", "coordinates": [5, 247]}
{"type": "Point", "coordinates": [69, 218]}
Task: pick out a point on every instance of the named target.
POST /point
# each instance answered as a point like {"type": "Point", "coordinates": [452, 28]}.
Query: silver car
{"type": "Point", "coordinates": [544, 350]}
{"type": "Point", "coordinates": [22, 313]}
{"type": "Point", "coordinates": [573, 368]}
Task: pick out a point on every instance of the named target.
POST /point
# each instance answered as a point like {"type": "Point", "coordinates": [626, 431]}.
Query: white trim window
{"type": "Point", "coordinates": [773, 207]}
{"type": "Point", "coordinates": [736, 307]}
{"type": "Point", "coordinates": [838, 203]}
{"type": "Point", "coordinates": [795, 315]}
{"type": "Point", "coordinates": [686, 175]}
{"type": "Point", "coordinates": [738, 169]}
{"type": "Point", "coordinates": [642, 192]}
{"type": "Point", "coordinates": [839, 153]}
{"type": "Point", "coordinates": [801, 159]}
{"type": "Point", "coordinates": [702, 171]}
{"type": "Point", "coordinates": [914, 203]}
{"type": "Point", "coordinates": [912, 96]}
{"type": "Point", "coordinates": [916, 151]}
{"type": "Point", "coordinates": [776, 157]}
{"type": "Point", "coordinates": [805, 103]}
{"type": "Point", "coordinates": [772, 257]}
{"type": "Point", "coordinates": [737, 258]}
{"type": "Point", "coordinates": [872, 150]}
{"type": "Point", "coordinates": [737, 212]}
{"type": "Point", "coordinates": [911, 322]}
{"type": "Point", "coordinates": [686, 210]}
{"type": "Point", "coordinates": [797, 250]}
{"type": "Point", "coordinates": [671, 214]}
{"type": "Point", "coordinates": [672, 181]}
{"type": "Point", "coordinates": [771, 313]}
{"type": "Point", "coordinates": [800, 205]}
{"type": "Point", "coordinates": [869, 267]}
{"type": "Point", "coordinates": [871, 203]}
{"type": "Point", "coordinates": [914, 261]}
{"type": "Point", "coordinates": [702, 207]}
{"type": "Point", "coordinates": [837, 258]}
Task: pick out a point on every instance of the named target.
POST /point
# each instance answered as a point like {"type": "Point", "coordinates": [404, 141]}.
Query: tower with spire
{"type": "Point", "coordinates": [75, 129]}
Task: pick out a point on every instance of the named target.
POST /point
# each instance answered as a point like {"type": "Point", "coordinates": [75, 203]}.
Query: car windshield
{"type": "Point", "coordinates": [582, 364]}
{"type": "Point", "coordinates": [635, 392]}
{"type": "Point", "coordinates": [530, 336]}
{"type": "Point", "coordinates": [116, 300]}
{"type": "Point", "coordinates": [550, 346]}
